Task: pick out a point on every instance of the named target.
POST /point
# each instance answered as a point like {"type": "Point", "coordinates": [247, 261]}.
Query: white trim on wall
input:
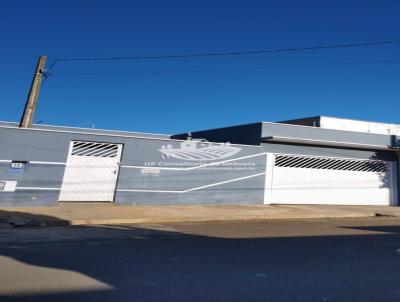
{"type": "Point", "coordinates": [38, 188]}
{"type": "Point", "coordinates": [195, 167]}
{"type": "Point", "coordinates": [55, 163]}
{"type": "Point", "coordinates": [193, 189]}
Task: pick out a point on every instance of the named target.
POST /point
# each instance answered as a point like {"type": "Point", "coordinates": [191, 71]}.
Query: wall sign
{"type": "Point", "coordinates": [151, 171]}
{"type": "Point", "coordinates": [17, 167]}
{"type": "Point", "coordinates": [8, 186]}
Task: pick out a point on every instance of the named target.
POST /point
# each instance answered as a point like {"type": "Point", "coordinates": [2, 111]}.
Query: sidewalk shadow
{"type": "Point", "coordinates": [18, 218]}
{"type": "Point", "coordinates": [143, 264]}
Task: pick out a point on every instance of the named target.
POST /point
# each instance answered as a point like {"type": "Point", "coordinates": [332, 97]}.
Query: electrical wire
{"type": "Point", "coordinates": [219, 69]}
{"type": "Point", "coordinates": [232, 53]}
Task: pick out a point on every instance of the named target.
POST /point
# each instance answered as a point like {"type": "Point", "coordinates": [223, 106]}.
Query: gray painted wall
{"type": "Point", "coordinates": [212, 184]}
{"type": "Point", "coordinates": [315, 133]}
{"type": "Point", "coordinates": [253, 134]}
{"type": "Point", "coordinates": [87, 130]}
{"type": "Point", "coordinates": [241, 180]}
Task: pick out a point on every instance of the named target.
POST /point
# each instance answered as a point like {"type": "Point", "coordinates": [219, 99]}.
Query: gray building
{"type": "Point", "coordinates": [317, 160]}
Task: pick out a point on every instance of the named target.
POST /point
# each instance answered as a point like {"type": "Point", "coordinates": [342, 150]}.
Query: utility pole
{"type": "Point", "coordinates": [33, 96]}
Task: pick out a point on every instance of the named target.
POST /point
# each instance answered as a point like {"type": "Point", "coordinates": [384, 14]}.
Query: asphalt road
{"type": "Point", "coordinates": [310, 260]}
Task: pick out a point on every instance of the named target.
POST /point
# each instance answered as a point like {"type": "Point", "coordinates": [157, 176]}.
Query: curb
{"type": "Point", "coordinates": [214, 219]}
{"type": "Point", "coordinates": [81, 222]}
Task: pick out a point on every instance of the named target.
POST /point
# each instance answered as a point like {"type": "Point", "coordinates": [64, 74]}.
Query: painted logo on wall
{"type": "Point", "coordinates": [200, 150]}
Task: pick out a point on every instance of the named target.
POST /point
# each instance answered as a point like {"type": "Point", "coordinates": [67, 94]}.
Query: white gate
{"type": "Point", "coordinates": [320, 180]}
{"type": "Point", "coordinates": [91, 172]}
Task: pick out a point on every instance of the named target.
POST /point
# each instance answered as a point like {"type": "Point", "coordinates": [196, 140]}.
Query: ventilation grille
{"type": "Point", "coordinates": [330, 163]}
{"type": "Point", "coordinates": [94, 149]}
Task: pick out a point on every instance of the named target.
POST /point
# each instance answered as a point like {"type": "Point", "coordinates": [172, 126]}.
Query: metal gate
{"type": "Point", "coordinates": [91, 172]}
{"type": "Point", "coordinates": [293, 179]}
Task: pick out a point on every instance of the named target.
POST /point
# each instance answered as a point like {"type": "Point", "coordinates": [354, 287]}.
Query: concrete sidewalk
{"type": "Point", "coordinates": [90, 214]}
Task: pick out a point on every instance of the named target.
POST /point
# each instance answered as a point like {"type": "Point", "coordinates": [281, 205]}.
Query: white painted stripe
{"type": "Point", "coordinates": [38, 188]}
{"type": "Point", "coordinates": [150, 191]}
{"type": "Point", "coordinates": [193, 189]}
{"type": "Point", "coordinates": [225, 182]}
{"type": "Point", "coordinates": [195, 167]}
{"type": "Point", "coordinates": [146, 167]}
{"type": "Point", "coordinates": [157, 191]}
{"type": "Point", "coordinates": [47, 163]}
{"type": "Point", "coordinates": [37, 162]}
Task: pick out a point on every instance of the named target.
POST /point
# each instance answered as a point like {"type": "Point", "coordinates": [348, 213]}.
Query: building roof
{"type": "Point", "coordinates": [87, 130]}
{"type": "Point", "coordinates": [300, 132]}
{"type": "Point", "coordinates": [319, 131]}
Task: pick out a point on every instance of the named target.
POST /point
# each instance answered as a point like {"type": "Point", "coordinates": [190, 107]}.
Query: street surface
{"type": "Point", "coordinates": [352, 259]}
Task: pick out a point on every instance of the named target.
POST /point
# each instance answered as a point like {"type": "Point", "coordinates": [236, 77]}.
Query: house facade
{"type": "Point", "coordinates": [317, 160]}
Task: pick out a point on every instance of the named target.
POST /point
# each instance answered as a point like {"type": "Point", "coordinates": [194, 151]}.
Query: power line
{"type": "Point", "coordinates": [220, 69]}
{"type": "Point", "coordinates": [232, 53]}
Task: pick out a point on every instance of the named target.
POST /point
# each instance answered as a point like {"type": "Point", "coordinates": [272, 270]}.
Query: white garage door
{"type": "Point", "coordinates": [91, 172]}
{"type": "Point", "coordinates": [316, 180]}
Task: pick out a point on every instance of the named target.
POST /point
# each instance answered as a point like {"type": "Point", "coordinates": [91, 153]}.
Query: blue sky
{"type": "Point", "coordinates": [178, 95]}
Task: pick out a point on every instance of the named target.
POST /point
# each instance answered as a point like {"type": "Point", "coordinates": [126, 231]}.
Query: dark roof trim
{"type": "Point", "coordinates": [307, 141]}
